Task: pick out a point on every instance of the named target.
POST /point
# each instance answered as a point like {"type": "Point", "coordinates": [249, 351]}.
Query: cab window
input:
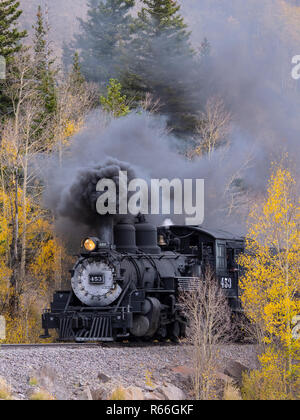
{"type": "Point", "coordinates": [221, 256]}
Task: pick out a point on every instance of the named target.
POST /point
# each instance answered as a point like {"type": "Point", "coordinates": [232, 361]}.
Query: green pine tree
{"type": "Point", "coordinates": [10, 36]}
{"type": "Point", "coordinates": [161, 61]}
{"type": "Point", "coordinates": [102, 39]}
{"type": "Point", "coordinates": [115, 103]}
{"type": "Point", "coordinates": [44, 69]}
{"type": "Point", "coordinates": [162, 17]}
{"type": "Point", "coordinates": [10, 42]}
{"type": "Point", "coordinates": [77, 84]}
{"type": "Point", "coordinates": [76, 75]}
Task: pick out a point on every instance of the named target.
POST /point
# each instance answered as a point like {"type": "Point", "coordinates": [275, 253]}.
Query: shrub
{"type": "Point", "coordinates": [271, 381]}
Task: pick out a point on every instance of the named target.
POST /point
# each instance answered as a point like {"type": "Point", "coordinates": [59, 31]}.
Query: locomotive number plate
{"type": "Point", "coordinates": [96, 279]}
{"type": "Point", "coordinates": [226, 283]}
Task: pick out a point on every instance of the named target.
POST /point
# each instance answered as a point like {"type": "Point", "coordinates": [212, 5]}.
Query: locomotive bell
{"type": "Point", "coordinates": [162, 241]}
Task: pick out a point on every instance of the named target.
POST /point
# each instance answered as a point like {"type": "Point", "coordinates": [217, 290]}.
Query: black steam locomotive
{"type": "Point", "coordinates": [130, 289]}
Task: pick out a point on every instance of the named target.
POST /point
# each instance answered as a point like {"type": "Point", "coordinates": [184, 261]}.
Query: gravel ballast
{"type": "Point", "coordinates": [77, 367]}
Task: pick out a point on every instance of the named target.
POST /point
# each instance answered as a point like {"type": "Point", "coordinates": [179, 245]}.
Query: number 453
{"type": "Point", "coordinates": [226, 283]}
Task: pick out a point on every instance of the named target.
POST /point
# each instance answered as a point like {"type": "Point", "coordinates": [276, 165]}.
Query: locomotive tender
{"type": "Point", "coordinates": [128, 286]}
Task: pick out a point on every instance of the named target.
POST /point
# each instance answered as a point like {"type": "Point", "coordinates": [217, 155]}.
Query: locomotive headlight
{"type": "Point", "coordinates": [90, 245]}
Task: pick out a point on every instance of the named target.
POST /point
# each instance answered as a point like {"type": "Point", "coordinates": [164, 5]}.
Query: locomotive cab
{"type": "Point", "coordinates": [216, 249]}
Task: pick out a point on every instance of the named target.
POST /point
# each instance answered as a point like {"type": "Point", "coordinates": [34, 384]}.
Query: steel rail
{"type": "Point", "coordinates": [88, 345]}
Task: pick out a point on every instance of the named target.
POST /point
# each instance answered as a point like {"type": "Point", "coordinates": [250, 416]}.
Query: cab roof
{"type": "Point", "coordinates": [213, 233]}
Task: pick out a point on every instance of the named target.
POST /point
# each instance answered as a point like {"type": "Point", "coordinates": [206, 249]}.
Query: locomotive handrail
{"type": "Point", "coordinates": [68, 301]}
{"type": "Point", "coordinates": [152, 262]}
{"type": "Point", "coordinates": [125, 290]}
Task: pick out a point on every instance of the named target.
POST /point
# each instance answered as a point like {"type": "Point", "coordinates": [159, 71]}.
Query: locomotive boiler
{"type": "Point", "coordinates": [126, 282]}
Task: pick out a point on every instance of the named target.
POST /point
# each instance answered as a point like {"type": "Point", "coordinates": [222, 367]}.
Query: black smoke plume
{"type": "Point", "coordinates": [77, 201]}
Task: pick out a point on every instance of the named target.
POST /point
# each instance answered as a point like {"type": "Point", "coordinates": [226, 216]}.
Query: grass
{"type": "Point", "coordinates": [33, 382]}
{"type": "Point", "coordinates": [5, 392]}
{"type": "Point", "coordinates": [41, 395]}
{"type": "Point", "coordinates": [232, 393]}
{"type": "Point", "coordinates": [118, 394]}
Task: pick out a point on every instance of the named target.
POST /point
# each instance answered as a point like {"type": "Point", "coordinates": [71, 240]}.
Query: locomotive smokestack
{"type": "Point", "coordinates": [124, 236]}
{"type": "Point", "coordinates": [105, 229]}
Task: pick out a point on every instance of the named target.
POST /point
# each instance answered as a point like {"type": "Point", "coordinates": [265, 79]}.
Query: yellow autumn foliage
{"type": "Point", "coordinates": [270, 381]}
{"type": "Point", "coordinates": [271, 282]}
{"type": "Point", "coordinates": [24, 329]}
{"type": "Point", "coordinates": [272, 260]}
{"type": "Point", "coordinates": [34, 290]}
{"type": "Point", "coordinates": [33, 260]}
{"type": "Point", "coordinates": [72, 128]}
{"type": "Point", "coordinates": [44, 256]}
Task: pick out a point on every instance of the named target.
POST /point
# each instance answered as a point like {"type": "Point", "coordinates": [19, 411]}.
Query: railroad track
{"type": "Point", "coordinates": [87, 345]}
{"type": "Point", "coordinates": [103, 345]}
{"type": "Point", "coordinates": [46, 345]}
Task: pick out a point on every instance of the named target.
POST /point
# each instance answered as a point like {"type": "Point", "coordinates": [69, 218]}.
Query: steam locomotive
{"type": "Point", "coordinates": [125, 283]}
